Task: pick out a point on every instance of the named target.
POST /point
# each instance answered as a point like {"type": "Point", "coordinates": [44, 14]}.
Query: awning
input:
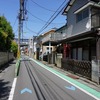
{"type": "Point", "coordinates": [53, 43]}
{"type": "Point", "coordinates": [80, 37]}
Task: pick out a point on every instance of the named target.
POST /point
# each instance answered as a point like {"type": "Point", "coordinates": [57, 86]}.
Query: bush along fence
{"type": "Point", "coordinates": [17, 67]}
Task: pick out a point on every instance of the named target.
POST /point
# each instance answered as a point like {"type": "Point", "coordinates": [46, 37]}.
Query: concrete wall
{"type": "Point", "coordinates": [96, 71]}
{"type": "Point", "coordinates": [58, 60]}
{"type": "Point", "coordinates": [5, 57]}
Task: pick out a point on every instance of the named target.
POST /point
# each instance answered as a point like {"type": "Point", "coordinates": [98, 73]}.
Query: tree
{"type": "Point", "coordinates": [14, 48]}
{"type": "Point", "coordinates": [3, 37]}
{"type": "Point", "coordinates": [6, 34]}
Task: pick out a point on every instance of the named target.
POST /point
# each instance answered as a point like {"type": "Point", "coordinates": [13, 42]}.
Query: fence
{"type": "Point", "coordinates": [78, 67]}
{"type": "Point", "coordinates": [5, 57]}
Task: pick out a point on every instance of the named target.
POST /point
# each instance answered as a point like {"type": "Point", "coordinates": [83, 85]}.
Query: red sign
{"type": "Point", "coordinates": [64, 50]}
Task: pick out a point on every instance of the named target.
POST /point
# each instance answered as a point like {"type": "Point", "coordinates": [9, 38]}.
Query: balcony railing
{"type": "Point", "coordinates": [46, 38]}
{"type": "Point", "coordinates": [57, 36]}
{"type": "Point", "coordinates": [95, 20]}
{"type": "Point", "coordinates": [53, 37]}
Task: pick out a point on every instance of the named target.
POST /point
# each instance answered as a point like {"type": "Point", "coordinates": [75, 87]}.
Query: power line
{"type": "Point", "coordinates": [42, 6]}
{"type": "Point", "coordinates": [48, 22]}
{"type": "Point", "coordinates": [29, 29]}
{"type": "Point", "coordinates": [35, 16]}
{"type": "Point", "coordinates": [14, 22]}
{"type": "Point", "coordinates": [41, 19]}
{"type": "Point", "coordinates": [31, 20]}
{"type": "Point", "coordinates": [16, 31]}
{"type": "Point", "coordinates": [52, 18]}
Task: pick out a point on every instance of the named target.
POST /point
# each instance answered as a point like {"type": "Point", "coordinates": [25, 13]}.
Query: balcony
{"type": "Point", "coordinates": [95, 20]}
{"type": "Point", "coordinates": [58, 36]}
{"type": "Point", "coordinates": [53, 37]}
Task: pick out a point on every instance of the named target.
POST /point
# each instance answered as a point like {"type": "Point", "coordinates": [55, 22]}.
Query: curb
{"type": "Point", "coordinates": [17, 67]}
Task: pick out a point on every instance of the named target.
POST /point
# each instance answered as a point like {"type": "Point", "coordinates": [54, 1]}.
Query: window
{"type": "Point", "coordinates": [86, 53]}
{"type": "Point", "coordinates": [74, 53]}
{"type": "Point", "coordinates": [79, 16]}
{"type": "Point", "coordinates": [82, 15]}
{"type": "Point", "coordinates": [79, 53]}
{"type": "Point", "coordinates": [85, 13]}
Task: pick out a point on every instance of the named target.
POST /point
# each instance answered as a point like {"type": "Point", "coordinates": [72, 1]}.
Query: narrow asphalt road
{"type": "Point", "coordinates": [6, 79]}
{"type": "Point", "coordinates": [44, 85]}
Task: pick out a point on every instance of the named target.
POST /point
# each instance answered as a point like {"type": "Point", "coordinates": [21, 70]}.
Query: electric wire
{"type": "Point", "coordinates": [14, 22]}
{"type": "Point", "coordinates": [35, 16]}
{"type": "Point", "coordinates": [29, 29]}
{"type": "Point", "coordinates": [40, 18]}
{"type": "Point", "coordinates": [52, 17]}
{"type": "Point", "coordinates": [42, 7]}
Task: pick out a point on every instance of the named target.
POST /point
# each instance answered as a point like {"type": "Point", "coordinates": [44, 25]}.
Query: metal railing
{"type": "Point", "coordinates": [46, 38]}
{"type": "Point", "coordinates": [53, 37]}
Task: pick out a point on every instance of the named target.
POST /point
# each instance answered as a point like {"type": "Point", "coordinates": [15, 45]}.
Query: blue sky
{"type": "Point", "coordinates": [33, 25]}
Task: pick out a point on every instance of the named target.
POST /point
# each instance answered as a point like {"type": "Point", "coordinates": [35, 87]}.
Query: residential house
{"type": "Point", "coordinates": [59, 35]}
{"type": "Point", "coordinates": [34, 40]}
{"type": "Point", "coordinates": [38, 42]}
{"type": "Point", "coordinates": [83, 23]}
{"type": "Point", "coordinates": [78, 40]}
{"type": "Point", "coordinates": [48, 44]}
{"type": "Point", "coordinates": [30, 47]}
{"type": "Point", "coordinates": [52, 45]}
{"type": "Point", "coordinates": [82, 42]}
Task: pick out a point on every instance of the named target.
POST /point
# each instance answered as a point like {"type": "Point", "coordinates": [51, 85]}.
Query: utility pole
{"type": "Point", "coordinates": [21, 18]}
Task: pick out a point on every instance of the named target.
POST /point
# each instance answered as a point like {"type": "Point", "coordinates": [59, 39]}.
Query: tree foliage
{"type": "Point", "coordinates": [6, 34]}
{"type": "Point", "coordinates": [14, 48]}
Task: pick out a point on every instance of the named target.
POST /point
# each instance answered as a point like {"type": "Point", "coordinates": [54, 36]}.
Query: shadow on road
{"type": "Point", "coordinates": [3, 67]}
{"type": "Point", "coordinates": [4, 90]}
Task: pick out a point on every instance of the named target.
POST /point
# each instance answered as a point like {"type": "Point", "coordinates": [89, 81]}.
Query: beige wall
{"type": "Point", "coordinates": [45, 49]}
{"type": "Point", "coordinates": [46, 37]}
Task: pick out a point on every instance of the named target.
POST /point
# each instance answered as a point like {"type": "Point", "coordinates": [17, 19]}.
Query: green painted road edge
{"type": "Point", "coordinates": [82, 86]}
{"type": "Point", "coordinates": [17, 67]}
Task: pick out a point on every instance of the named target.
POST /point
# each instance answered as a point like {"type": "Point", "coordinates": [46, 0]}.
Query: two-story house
{"type": "Point", "coordinates": [81, 46]}
{"type": "Point", "coordinates": [83, 25]}
{"type": "Point", "coordinates": [48, 44]}
{"type": "Point", "coordinates": [59, 35]}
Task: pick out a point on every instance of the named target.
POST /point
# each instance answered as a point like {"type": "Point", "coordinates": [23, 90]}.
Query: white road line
{"type": "Point", "coordinates": [12, 89]}
{"type": "Point", "coordinates": [68, 81]}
